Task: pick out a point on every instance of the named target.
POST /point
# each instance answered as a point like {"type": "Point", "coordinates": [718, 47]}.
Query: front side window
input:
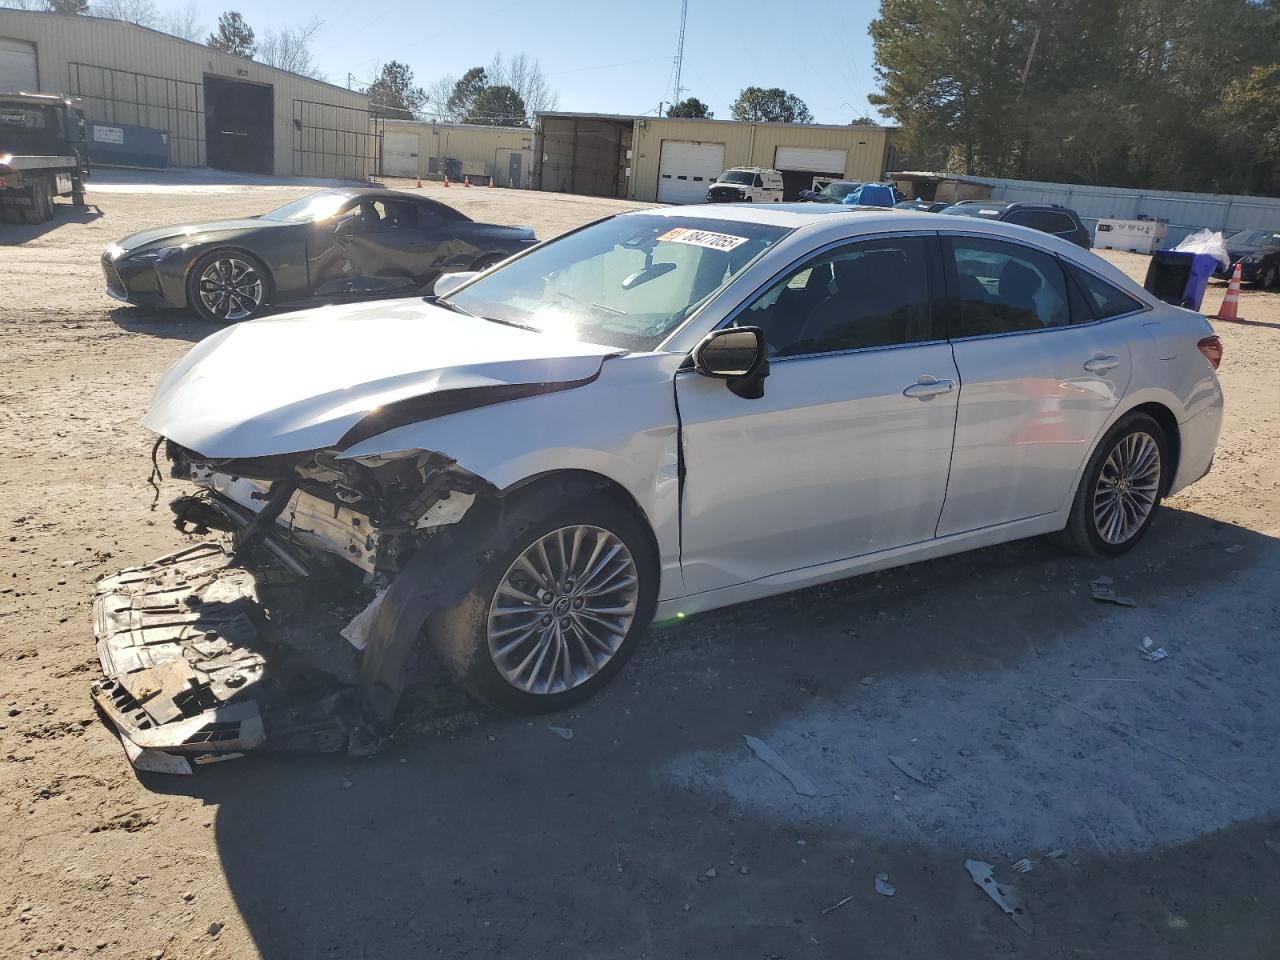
{"type": "Point", "coordinates": [628, 281]}
{"type": "Point", "coordinates": [1007, 288]}
{"type": "Point", "coordinates": [869, 294]}
{"type": "Point", "coordinates": [314, 206]}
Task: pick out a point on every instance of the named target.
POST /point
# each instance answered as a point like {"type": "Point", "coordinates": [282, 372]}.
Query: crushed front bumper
{"type": "Point", "coordinates": [200, 666]}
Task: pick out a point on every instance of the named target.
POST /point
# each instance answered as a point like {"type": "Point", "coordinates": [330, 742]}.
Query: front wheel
{"type": "Point", "coordinates": [1120, 490]}
{"type": "Point", "coordinates": [1270, 277]}
{"type": "Point", "coordinates": [557, 611]}
{"type": "Point", "coordinates": [228, 286]}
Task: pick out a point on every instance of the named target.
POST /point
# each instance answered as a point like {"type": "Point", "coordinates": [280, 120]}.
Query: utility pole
{"type": "Point", "coordinates": [684, 13]}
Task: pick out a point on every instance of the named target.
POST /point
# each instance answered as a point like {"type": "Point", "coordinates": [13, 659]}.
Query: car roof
{"type": "Point", "coordinates": [792, 215]}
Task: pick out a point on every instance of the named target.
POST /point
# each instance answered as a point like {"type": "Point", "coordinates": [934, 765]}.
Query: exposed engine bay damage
{"type": "Point", "coordinates": [294, 631]}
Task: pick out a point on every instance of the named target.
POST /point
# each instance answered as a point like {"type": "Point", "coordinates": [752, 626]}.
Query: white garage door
{"type": "Point", "coordinates": [400, 154]}
{"type": "Point", "coordinates": [686, 169]}
{"type": "Point", "coordinates": [805, 158]}
{"type": "Point", "coordinates": [18, 65]}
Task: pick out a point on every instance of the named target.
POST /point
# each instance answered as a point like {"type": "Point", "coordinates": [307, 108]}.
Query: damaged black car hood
{"type": "Point", "coordinates": [302, 381]}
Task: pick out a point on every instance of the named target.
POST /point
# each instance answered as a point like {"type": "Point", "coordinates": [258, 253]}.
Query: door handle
{"type": "Point", "coordinates": [927, 387]}
{"type": "Point", "coordinates": [1100, 363]}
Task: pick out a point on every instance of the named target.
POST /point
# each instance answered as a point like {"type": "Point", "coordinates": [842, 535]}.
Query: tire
{"type": "Point", "coordinates": [487, 261]}
{"type": "Point", "coordinates": [1270, 277]}
{"type": "Point", "coordinates": [241, 300]}
{"type": "Point", "coordinates": [461, 634]}
{"type": "Point", "coordinates": [41, 209]}
{"type": "Point", "coordinates": [1092, 529]}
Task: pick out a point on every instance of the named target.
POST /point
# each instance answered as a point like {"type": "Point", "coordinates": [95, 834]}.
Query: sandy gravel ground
{"type": "Point", "coordinates": [653, 832]}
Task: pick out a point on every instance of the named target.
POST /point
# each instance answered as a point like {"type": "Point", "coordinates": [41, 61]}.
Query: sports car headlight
{"type": "Point", "coordinates": [155, 253]}
{"type": "Point", "coordinates": [1251, 259]}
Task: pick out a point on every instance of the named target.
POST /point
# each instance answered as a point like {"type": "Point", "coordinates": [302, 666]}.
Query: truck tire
{"type": "Point", "coordinates": [41, 208]}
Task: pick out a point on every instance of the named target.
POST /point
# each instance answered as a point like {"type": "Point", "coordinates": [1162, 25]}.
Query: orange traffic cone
{"type": "Point", "coordinates": [419, 187]}
{"type": "Point", "coordinates": [446, 179]}
{"type": "Point", "coordinates": [491, 180]}
{"type": "Point", "coordinates": [466, 181]}
{"type": "Point", "coordinates": [1231, 302]}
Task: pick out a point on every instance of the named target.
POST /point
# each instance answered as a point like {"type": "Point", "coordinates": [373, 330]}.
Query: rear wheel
{"type": "Point", "coordinates": [485, 262]}
{"type": "Point", "coordinates": [228, 286]}
{"type": "Point", "coordinates": [1270, 276]}
{"type": "Point", "coordinates": [1120, 490]}
{"type": "Point", "coordinates": [41, 209]}
{"type": "Point", "coordinates": [557, 611]}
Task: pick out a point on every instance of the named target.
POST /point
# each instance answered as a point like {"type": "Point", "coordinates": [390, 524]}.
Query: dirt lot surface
{"type": "Point", "coordinates": [653, 831]}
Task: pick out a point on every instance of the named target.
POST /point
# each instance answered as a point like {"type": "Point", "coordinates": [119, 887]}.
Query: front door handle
{"type": "Point", "coordinates": [927, 387]}
{"type": "Point", "coordinates": [1100, 363]}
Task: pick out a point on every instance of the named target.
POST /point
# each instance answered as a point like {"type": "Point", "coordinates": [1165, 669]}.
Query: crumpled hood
{"type": "Point", "coordinates": [194, 232]}
{"type": "Point", "coordinates": [300, 381]}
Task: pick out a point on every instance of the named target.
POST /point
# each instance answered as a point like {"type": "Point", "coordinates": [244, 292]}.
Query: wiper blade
{"type": "Point", "coordinates": [450, 305]}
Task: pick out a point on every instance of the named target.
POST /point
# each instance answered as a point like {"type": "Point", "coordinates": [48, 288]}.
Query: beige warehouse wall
{"type": "Point", "coordinates": [111, 44]}
{"type": "Point", "coordinates": [467, 142]}
{"type": "Point", "coordinates": [754, 145]}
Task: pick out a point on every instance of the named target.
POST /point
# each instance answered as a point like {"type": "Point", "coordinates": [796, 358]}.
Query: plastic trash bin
{"type": "Point", "coordinates": [1180, 278]}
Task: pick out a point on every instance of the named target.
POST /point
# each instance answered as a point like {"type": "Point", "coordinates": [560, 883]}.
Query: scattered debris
{"type": "Point", "coordinates": [802, 784]}
{"type": "Point", "coordinates": [836, 906]}
{"type": "Point", "coordinates": [564, 733]}
{"type": "Point", "coordinates": [744, 869]}
{"type": "Point", "coordinates": [711, 874]}
{"type": "Point", "coordinates": [1005, 896]}
{"type": "Point", "coordinates": [215, 928]}
{"type": "Point", "coordinates": [1150, 651]}
{"type": "Point", "coordinates": [1272, 845]}
{"type": "Point", "coordinates": [1234, 548]}
{"type": "Point", "coordinates": [1103, 591]}
{"type": "Point", "coordinates": [867, 681]}
{"type": "Point", "coordinates": [1026, 866]}
{"type": "Point", "coordinates": [883, 886]}
{"type": "Point", "coordinates": [902, 764]}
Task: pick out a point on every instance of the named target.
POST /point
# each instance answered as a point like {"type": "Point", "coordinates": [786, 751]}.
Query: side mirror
{"type": "Point", "coordinates": [738, 355]}
{"type": "Point", "coordinates": [446, 283]}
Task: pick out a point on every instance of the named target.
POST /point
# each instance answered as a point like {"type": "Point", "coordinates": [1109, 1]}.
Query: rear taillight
{"type": "Point", "coordinates": [1211, 347]}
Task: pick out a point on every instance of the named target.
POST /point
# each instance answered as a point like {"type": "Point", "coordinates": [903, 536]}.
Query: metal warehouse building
{"type": "Point", "coordinates": [211, 108]}
{"type": "Point", "coordinates": [414, 148]}
{"type": "Point", "coordinates": [672, 160]}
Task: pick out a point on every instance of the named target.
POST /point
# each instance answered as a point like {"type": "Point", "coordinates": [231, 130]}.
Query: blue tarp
{"type": "Point", "coordinates": [871, 195]}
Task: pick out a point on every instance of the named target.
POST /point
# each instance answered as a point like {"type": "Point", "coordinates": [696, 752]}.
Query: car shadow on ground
{"type": "Point", "coordinates": [651, 831]}
{"type": "Point", "coordinates": [16, 234]}
{"type": "Point", "coordinates": [164, 324]}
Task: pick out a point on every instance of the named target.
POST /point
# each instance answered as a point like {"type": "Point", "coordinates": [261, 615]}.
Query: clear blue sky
{"type": "Point", "coordinates": [609, 57]}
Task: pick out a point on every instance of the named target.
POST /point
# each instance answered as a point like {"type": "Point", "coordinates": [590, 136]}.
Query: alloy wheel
{"type": "Point", "coordinates": [230, 288]}
{"type": "Point", "coordinates": [563, 609]}
{"type": "Point", "coordinates": [1127, 488]}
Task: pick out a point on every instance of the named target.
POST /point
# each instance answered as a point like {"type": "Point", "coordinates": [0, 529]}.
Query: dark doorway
{"type": "Point", "coordinates": [239, 125]}
{"type": "Point", "coordinates": [513, 171]}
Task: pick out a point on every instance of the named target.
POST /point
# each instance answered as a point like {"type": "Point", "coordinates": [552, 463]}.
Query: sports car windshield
{"type": "Point", "coordinates": [314, 206]}
{"type": "Point", "coordinates": [627, 282]}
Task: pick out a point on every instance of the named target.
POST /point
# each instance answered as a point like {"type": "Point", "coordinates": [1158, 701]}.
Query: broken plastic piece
{"type": "Point", "coordinates": [1102, 591]}
{"type": "Point", "coordinates": [902, 764]}
{"type": "Point", "coordinates": [356, 632]}
{"type": "Point", "coordinates": [802, 784]}
{"type": "Point", "coordinates": [1150, 651]}
{"type": "Point", "coordinates": [883, 886]}
{"type": "Point", "coordinates": [564, 733]}
{"type": "Point", "coordinates": [837, 905]}
{"type": "Point", "coordinates": [1006, 896]}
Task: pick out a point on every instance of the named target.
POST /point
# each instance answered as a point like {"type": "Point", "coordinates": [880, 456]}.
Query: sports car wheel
{"type": "Point", "coordinates": [1120, 490]}
{"type": "Point", "coordinates": [1270, 277]}
{"type": "Point", "coordinates": [227, 287]}
{"type": "Point", "coordinates": [555, 614]}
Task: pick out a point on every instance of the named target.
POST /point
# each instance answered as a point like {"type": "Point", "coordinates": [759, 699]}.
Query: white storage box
{"type": "Point", "coordinates": [1136, 236]}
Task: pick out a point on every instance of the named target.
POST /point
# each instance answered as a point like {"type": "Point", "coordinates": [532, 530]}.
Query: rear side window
{"type": "Point", "coordinates": [1046, 221]}
{"type": "Point", "coordinates": [1006, 288]}
{"type": "Point", "coordinates": [1104, 299]}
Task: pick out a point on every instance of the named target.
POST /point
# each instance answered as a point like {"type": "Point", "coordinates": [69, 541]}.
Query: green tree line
{"type": "Point", "coordinates": [1162, 94]}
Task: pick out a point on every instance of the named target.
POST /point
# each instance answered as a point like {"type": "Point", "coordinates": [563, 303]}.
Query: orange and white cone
{"type": "Point", "coordinates": [1231, 302]}
{"type": "Point", "coordinates": [466, 181]}
{"type": "Point", "coordinates": [419, 187]}
{"type": "Point", "coordinates": [446, 179]}
{"type": "Point", "coordinates": [493, 181]}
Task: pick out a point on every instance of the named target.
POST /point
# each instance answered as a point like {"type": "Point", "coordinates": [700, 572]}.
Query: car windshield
{"type": "Point", "coordinates": [626, 282]}
{"type": "Point", "coordinates": [737, 176]}
{"type": "Point", "coordinates": [314, 206]}
{"type": "Point", "coordinates": [973, 210]}
{"type": "Point", "coordinates": [839, 190]}
{"type": "Point", "coordinates": [1254, 238]}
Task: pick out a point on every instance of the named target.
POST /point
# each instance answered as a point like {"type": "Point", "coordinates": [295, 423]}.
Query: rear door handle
{"type": "Point", "coordinates": [1100, 363]}
{"type": "Point", "coordinates": [927, 387]}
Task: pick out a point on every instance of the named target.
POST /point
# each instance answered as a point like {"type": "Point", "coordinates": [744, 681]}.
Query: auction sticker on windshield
{"type": "Point", "coordinates": [703, 238]}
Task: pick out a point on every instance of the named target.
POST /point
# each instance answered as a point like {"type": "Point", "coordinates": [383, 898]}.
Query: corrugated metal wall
{"type": "Point", "coordinates": [1185, 212]}
{"type": "Point", "coordinates": [133, 75]}
{"type": "Point", "coordinates": [467, 142]}
{"type": "Point", "coordinates": [754, 145]}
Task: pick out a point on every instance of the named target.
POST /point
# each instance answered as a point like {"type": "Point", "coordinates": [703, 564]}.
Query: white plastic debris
{"type": "Point", "coordinates": [902, 764]}
{"type": "Point", "coordinates": [1206, 241]}
{"type": "Point", "coordinates": [564, 733]}
{"type": "Point", "coordinates": [1150, 651]}
{"type": "Point", "coordinates": [356, 632]}
{"type": "Point", "coordinates": [1005, 896]}
{"type": "Point", "coordinates": [883, 886]}
{"type": "Point", "coordinates": [1102, 590]}
{"type": "Point", "coordinates": [802, 784]}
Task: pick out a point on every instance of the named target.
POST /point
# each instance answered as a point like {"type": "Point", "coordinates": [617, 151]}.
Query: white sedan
{"type": "Point", "coordinates": [670, 411]}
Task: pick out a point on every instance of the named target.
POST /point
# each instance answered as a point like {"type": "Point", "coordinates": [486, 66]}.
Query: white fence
{"type": "Point", "coordinates": [1185, 212]}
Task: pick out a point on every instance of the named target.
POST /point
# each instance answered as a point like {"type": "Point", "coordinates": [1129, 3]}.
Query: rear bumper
{"type": "Point", "coordinates": [1199, 439]}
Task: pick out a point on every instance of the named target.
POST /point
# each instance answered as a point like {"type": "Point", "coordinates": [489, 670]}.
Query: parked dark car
{"type": "Point", "coordinates": [833, 192]}
{"type": "Point", "coordinates": [1045, 217]}
{"type": "Point", "coordinates": [334, 244]}
{"type": "Point", "coordinates": [1258, 253]}
{"type": "Point", "coordinates": [924, 206]}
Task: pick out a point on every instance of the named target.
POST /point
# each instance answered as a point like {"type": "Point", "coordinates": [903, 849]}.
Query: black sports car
{"type": "Point", "coordinates": [924, 206]}
{"type": "Point", "coordinates": [334, 245]}
{"type": "Point", "coordinates": [1258, 253]}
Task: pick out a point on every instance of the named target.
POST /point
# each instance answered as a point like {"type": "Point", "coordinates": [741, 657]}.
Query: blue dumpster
{"type": "Point", "coordinates": [1180, 278]}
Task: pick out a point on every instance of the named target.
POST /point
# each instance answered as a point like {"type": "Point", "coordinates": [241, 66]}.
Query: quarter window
{"type": "Point", "coordinates": [1007, 288]}
{"type": "Point", "coordinates": [871, 294]}
{"type": "Point", "coordinates": [1104, 299]}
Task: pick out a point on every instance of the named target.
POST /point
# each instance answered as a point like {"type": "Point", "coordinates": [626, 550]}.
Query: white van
{"type": "Point", "coordinates": [746, 185]}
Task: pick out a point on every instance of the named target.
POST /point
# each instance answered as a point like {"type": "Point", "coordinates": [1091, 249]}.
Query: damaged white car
{"type": "Point", "coordinates": [658, 414]}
